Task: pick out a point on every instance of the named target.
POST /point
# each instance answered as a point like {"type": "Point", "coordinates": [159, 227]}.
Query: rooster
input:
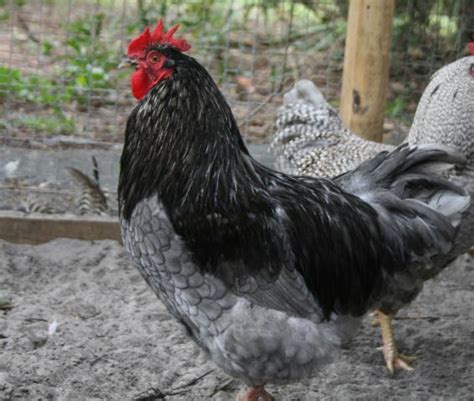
{"type": "Point", "coordinates": [311, 140]}
{"type": "Point", "coordinates": [268, 272]}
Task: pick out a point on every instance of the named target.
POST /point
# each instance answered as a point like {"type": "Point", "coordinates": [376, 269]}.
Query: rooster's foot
{"type": "Point", "coordinates": [393, 359]}
{"type": "Point", "coordinates": [255, 394]}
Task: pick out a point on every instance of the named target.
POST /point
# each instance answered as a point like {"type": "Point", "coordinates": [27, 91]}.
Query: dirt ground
{"type": "Point", "coordinates": [111, 339]}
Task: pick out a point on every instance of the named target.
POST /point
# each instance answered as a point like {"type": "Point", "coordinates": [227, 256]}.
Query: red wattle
{"type": "Point", "coordinates": [141, 81]}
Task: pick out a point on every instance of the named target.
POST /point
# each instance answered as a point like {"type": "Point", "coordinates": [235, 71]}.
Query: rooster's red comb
{"type": "Point", "coordinates": [138, 46]}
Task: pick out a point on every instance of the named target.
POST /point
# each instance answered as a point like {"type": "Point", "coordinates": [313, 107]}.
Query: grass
{"type": "Point", "coordinates": [85, 68]}
{"type": "Point", "coordinates": [48, 125]}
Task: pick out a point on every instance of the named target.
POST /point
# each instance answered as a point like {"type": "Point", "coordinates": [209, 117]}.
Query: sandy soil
{"type": "Point", "coordinates": [115, 341]}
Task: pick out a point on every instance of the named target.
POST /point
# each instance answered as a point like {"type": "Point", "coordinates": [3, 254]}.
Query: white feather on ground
{"type": "Point", "coordinates": [11, 168]}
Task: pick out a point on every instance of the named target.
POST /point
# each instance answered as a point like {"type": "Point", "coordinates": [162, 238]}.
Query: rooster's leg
{"type": "Point", "coordinates": [393, 359]}
{"type": "Point", "coordinates": [255, 394]}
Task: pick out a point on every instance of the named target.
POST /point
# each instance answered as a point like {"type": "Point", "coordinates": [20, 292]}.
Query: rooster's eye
{"type": "Point", "coordinates": [154, 59]}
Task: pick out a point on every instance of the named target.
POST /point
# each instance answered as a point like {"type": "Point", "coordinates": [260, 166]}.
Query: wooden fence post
{"type": "Point", "coordinates": [366, 66]}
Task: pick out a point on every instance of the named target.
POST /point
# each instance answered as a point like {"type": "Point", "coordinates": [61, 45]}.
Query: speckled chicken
{"type": "Point", "coordinates": [268, 272]}
{"type": "Point", "coordinates": [311, 140]}
{"type": "Point", "coordinates": [91, 199]}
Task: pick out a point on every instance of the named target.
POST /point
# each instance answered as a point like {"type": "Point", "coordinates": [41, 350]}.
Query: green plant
{"type": "Point", "coordinates": [31, 88]}
{"type": "Point", "coordinates": [396, 107]}
{"type": "Point", "coordinates": [47, 48]}
{"type": "Point", "coordinates": [90, 60]}
{"type": "Point", "coordinates": [56, 124]}
{"type": "Point", "coordinates": [40, 91]}
{"type": "Point", "coordinates": [10, 81]}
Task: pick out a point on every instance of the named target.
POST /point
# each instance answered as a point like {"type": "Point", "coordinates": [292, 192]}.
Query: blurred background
{"type": "Point", "coordinates": [63, 99]}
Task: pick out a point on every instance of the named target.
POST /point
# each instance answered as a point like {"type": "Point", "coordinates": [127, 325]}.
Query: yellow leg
{"type": "Point", "coordinates": [393, 359]}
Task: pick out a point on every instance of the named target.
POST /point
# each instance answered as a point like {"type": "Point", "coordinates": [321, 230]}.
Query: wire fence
{"type": "Point", "coordinates": [58, 59]}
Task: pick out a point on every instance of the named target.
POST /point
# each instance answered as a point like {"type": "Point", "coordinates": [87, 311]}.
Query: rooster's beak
{"type": "Point", "coordinates": [127, 62]}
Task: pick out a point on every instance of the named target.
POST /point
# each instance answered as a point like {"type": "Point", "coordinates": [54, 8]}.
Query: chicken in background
{"type": "Point", "coordinates": [35, 204]}
{"type": "Point", "coordinates": [305, 145]}
{"type": "Point", "coordinates": [268, 272]}
{"type": "Point", "coordinates": [30, 203]}
{"type": "Point", "coordinates": [91, 199]}
{"type": "Point", "coordinates": [310, 137]}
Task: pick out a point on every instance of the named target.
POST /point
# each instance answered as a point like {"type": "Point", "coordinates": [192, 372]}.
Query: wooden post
{"type": "Point", "coordinates": [366, 66]}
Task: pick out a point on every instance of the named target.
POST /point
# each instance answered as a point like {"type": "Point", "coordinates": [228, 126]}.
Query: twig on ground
{"type": "Point", "coordinates": [221, 387]}
{"type": "Point", "coordinates": [188, 384]}
{"type": "Point", "coordinates": [432, 318]}
{"type": "Point", "coordinates": [154, 394]}
{"type": "Point", "coordinates": [151, 394]}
